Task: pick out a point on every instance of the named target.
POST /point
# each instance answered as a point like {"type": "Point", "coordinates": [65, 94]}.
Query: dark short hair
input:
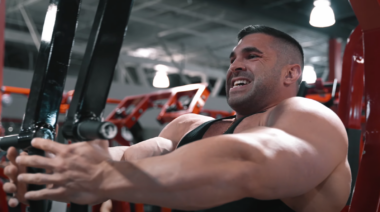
{"type": "Point", "coordinates": [251, 29]}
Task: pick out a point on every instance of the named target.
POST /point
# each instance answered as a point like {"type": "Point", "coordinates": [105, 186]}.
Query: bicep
{"type": "Point", "coordinates": [305, 147]}
{"type": "Point", "coordinates": [286, 165]}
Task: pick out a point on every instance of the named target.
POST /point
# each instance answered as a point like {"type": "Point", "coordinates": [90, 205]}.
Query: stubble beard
{"type": "Point", "coordinates": [248, 102]}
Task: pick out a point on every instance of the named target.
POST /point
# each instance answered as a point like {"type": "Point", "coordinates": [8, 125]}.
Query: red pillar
{"type": "Point", "coordinates": [335, 60]}
{"type": "Point", "coordinates": [367, 190]}
{"type": "Point", "coordinates": [2, 32]}
{"type": "Point", "coordinates": [351, 84]}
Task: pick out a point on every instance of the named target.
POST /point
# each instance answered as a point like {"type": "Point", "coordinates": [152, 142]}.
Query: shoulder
{"type": "Point", "coordinates": [183, 124]}
{"type": "Point", "coordinates": [309, 120]}
{"type": "Point", "coordinates": [192, 118]}
{"type": "Point", "coordinates": [303, 110]}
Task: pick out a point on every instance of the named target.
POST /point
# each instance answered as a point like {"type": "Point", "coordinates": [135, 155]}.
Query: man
{"type": "Point", "coordinates": [280, 152]}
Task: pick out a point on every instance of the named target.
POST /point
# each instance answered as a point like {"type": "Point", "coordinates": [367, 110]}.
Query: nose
{"type": "Point", "coordinates": [237, 66]}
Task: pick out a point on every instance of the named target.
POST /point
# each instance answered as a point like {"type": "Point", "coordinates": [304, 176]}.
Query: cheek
{"type": "Point", "coordinates": [228, 74]}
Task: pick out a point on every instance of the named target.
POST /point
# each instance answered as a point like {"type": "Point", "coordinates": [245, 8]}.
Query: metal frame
{"type": "Point", "coordinates": [2, 49]}
{"type": "Point", "coordinates": [47, 85]}
{"type": "Point", "coordinates": [97, 71]}
{"type": "Point", "coordinates": [92, 86]}
{"type": "Point", "coordinates": [351, 104]}
{"type": "Point", "coordinates": [366, 196]}
{"type": "Point", "coordinates": [131, 108]}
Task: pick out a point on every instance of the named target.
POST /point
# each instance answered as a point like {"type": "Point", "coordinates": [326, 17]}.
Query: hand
{"type": "Point", "coordinates": [106, 206]}
{"type": "Point", "coordinates": [12, 170]}
{"type": "Point", "coordinates": [77, 171]}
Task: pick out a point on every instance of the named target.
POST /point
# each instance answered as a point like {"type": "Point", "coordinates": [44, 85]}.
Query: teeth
{"type": "Point", "coordinates": [240, 82]}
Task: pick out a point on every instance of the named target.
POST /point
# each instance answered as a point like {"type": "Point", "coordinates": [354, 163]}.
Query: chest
{"type": "Point", "coordinates": [220, 127]}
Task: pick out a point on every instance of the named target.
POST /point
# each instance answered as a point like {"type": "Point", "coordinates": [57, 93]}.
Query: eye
{"type": "Point", "coordinates": [251, 56]}
{"type": "Point", "coordinates": [232, 60]}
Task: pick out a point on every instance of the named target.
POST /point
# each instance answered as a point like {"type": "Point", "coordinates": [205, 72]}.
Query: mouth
{"type": "Point", "coordinates": [239, 82]}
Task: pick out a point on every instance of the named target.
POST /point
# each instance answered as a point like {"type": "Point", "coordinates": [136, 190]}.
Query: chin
{"type": "Point", "coordinates": [238, 104]}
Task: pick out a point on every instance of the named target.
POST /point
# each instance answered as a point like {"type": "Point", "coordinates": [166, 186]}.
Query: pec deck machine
{"type": "Point", "coordinates": [358, 96]}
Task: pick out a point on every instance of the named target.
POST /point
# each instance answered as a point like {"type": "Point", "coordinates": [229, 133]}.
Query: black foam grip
{"type": "Point", "coordinates": [91, 130]}
{"type": "Point", "coordinates": [8, 141]}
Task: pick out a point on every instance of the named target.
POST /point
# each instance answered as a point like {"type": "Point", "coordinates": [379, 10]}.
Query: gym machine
{"type": "Point", "coordinates": [83, 121]}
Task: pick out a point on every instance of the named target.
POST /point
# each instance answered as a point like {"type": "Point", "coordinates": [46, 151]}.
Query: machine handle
{"type": "Point", "coordinates": [8, 141]}
{"type": "Point", "coordinates": [91, 130]}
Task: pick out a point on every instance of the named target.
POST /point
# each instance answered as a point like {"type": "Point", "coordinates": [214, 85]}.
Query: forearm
{"type": "Point", "coordinates": [149, 148]}
{"type": "Point", "coordinates": [198, 176]}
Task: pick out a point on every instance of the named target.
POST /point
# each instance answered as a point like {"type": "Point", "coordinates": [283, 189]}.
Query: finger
{"type": "Point", "coordinates": [13, 202]}
{"type": "Point", "coordinates": [11, 172]}
{"type": "Point", "coordinates": [102, 143]}
{"type": "Point", "coordinates": [49, 155]}
{"type": "Point", "coordinates": [57, 194]}
{"type": "Point", "coordinates": [12, 154]}
{"type": "Point", "coordinates": [35, 161]}
{"type": "Point", "coordinates": [21, 168]}
{"type": "Point", "coordinates": [9, 188]}
{"type": "Point", "coordinates": [47, 145]}
{"type": "Point", "coordinates": [40, 179]}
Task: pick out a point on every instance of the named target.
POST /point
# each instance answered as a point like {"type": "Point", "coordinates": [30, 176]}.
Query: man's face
{"type": "Point", "coordinates": [252, 78]}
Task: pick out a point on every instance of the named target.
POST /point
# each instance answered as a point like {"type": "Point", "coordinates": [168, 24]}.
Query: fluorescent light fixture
{"type": "Point", "coordinates": [47, 31]}
{"type": "Point", "coordinates": [144, 52]}
{"type": "Point", "coordinates": [161, 79]}
{"type": "Point", "coordinates": [322, 14]}
{"type": "Point", "coordinates": [309, 74]}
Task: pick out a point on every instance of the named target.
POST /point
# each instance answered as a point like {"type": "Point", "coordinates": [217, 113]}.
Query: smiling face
{"type": "Point", "coordinates": [254, 77]}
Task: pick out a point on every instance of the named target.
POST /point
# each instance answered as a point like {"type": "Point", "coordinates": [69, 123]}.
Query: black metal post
{"type": "Point", "coordinates": [83, 121]}
{"type": "Point", "coordinates": [45, 96]}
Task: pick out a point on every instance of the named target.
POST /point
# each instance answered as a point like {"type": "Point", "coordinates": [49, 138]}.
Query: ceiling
{"type": "Point", "coordinates": [181, 32]}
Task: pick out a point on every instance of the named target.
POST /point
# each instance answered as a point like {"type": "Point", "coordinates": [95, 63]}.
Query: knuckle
{"type": "Point", "coordinates": [65, 151]}
{"type": "Point", "coordinates": [6, 187]}
{"type": "Point", "coordinates": [38, 178]}
{"type": "Point", "coordinates": [10, 170]}
{"type": "Point", "coordinates": [60, 166]}
{"type": "Point", "coordinates": [9, 188]}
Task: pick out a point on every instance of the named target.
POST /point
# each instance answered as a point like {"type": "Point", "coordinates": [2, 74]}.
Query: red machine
{"type": "Point", "coordinates": [179, 100]}
{"type": "Point", "coordinates": [366, 196]}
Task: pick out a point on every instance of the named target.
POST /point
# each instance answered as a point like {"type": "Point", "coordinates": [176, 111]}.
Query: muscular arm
{"type": "Point", "coordinates": [285, 160]}
{"type": "Point", "coordinates": [164, 143]}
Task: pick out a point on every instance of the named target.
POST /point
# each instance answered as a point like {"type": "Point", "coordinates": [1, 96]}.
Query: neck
{"type": "Point", "coordinates": [266, 107]}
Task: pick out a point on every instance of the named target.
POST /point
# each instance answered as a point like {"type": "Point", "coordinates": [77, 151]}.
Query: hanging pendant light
{"type": "Point", "coordinates": [161, 79]}
{"type": "Point", "coordinates": [322, 14]}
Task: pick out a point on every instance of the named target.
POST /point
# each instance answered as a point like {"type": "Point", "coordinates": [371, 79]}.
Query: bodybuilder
{"type": "Point", "coordinates": [280, 153]}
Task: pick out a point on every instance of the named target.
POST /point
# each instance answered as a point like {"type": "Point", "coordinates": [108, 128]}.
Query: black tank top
{"type": "Point", "coordinates": [243, 205]}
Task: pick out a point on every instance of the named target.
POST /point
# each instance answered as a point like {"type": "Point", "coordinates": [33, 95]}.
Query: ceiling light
{"type": "Point", "coordinates": [161, 79]}
{"type": "Point", "coordinates": [309, 75]}
{"type": "Point", "coordinates": [144, 52]}
{"type": "Point", "coordinates": [322, 14]}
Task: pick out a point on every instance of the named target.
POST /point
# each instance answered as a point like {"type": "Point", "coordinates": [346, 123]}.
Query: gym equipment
{"type": "Point", "coordinates": [351, 103]}
{"type": "Point", "coordinates": [83, 121]}
{"type": "Point", "coordinates": [366, 196]}
{"type": "Point", "coordinates": [325, 93]}
{"type": "Point", "coordinates": [40, 122]}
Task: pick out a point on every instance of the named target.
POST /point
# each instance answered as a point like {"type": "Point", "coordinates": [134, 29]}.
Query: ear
{"type": "Point", "coordinates": [292, 74]}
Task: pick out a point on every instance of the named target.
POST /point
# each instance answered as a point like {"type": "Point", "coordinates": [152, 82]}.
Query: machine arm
{"type": "Point", "coordinates": [42, 109]}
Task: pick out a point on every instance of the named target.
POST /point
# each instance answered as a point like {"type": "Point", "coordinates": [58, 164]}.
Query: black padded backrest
{"type": "Point", "coordinates": [302, 89]}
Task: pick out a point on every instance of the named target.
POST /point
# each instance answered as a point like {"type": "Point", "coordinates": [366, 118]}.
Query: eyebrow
{"type": "Point", "coordinates": [247, 50]}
